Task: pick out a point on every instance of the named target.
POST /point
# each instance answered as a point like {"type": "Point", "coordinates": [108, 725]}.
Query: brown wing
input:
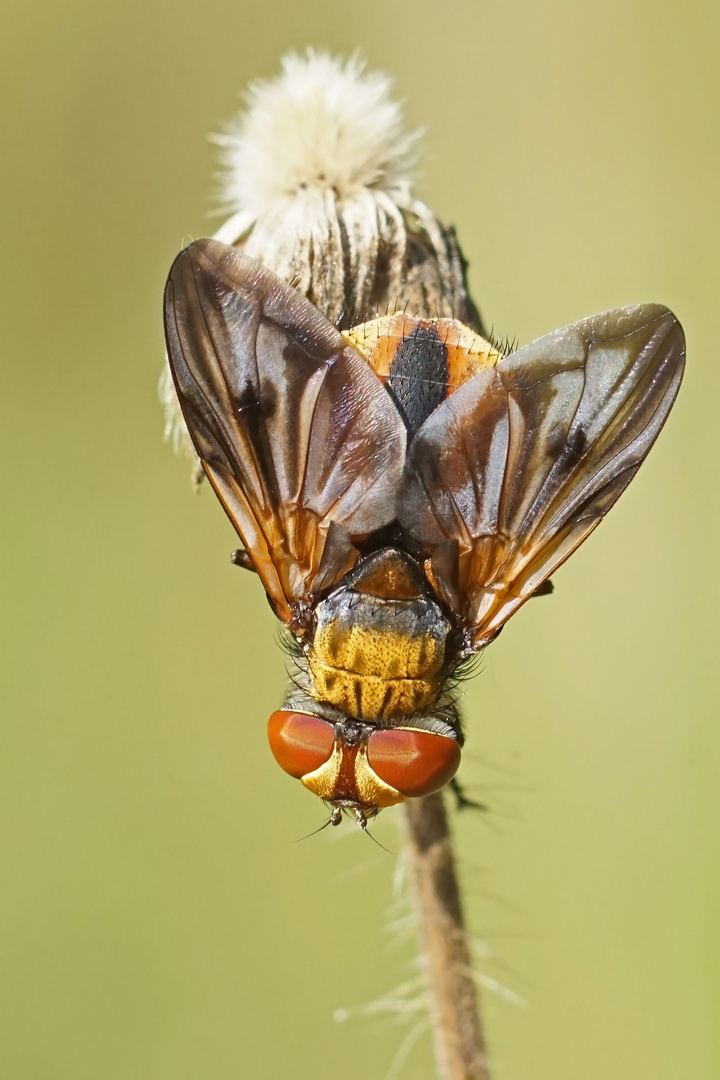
{"type": "Point", "coordinates": [295, 432]}
{"type": "Point", "coordinates": [519, 465]}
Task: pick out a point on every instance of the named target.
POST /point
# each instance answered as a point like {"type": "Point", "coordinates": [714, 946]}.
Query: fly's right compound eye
{"type": "Point", "coordinates": [413, 762]}
{"type": "Point", "coordinates": [300, 743]}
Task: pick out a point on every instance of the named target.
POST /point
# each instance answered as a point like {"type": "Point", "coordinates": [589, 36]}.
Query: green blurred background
{"type": "Point", "coordinates": [159, 922]}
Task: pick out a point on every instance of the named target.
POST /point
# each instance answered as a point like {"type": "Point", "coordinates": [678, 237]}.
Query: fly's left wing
{"type": "Point", "coordinates": [514, 470]}
{"type": "Point", "coordinates": [297, 435]}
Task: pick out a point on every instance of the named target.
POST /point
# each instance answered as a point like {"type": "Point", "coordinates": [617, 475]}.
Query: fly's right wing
{"type": "Point", "coordinates": [295, 432]}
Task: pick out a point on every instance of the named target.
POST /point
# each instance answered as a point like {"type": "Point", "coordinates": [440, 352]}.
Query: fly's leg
{"type": "Point", "coordinates": [461, 800]}
{"type": "Point", "coordinates": [241, 558]}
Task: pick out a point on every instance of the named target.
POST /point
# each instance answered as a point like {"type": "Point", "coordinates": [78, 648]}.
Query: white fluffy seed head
{"type": "Point", "coordinates": [317, 181]}
{"type": "Point", "coordinates": [324, 124]}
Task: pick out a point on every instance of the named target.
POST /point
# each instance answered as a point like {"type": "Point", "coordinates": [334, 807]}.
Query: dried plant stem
{"type": "Point", "coordinates": [457, 1032]}
{"type": "Point", "coordinates": [454, 1009]}
{"type": "Point", "coordinates": [354, 239]}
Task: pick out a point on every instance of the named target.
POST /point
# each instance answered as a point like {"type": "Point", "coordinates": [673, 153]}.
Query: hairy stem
{"type": "Point", "coordinates": [356, 260]}
{"type": "Point", "coordinates": [457, 1031]}
{"type": "Point", "coordinates": [454, 1009]}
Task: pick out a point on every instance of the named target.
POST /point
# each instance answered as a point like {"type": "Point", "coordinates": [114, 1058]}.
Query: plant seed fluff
{"type": "Point", "coordinates": [323, 124]}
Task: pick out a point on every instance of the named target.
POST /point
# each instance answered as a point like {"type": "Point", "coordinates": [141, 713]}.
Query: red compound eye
{"type": "Point", "coordinates": [413, 762]}
{"type": "Point", "coordinates": [300, 743]}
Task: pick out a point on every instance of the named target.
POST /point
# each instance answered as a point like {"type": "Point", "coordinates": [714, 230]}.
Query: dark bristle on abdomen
{"type": "Point", "coordinates": [418, 376]}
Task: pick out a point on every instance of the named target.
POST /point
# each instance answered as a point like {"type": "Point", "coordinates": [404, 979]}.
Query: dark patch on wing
{"type": "Point", "coordinates": [576, 442]}
{"type": "Point", "coordinates": [247, 398]}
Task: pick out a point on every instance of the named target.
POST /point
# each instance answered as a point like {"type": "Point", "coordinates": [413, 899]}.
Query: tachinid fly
{"type": "Point", "coordinates": [400, 489]}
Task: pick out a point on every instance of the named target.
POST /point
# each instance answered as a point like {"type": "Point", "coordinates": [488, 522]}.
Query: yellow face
{"type": "Point", "coordinates": [348, 775]}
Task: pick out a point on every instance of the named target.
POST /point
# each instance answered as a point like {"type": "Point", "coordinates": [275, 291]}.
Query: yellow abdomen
{"type": "Point", "coordinates": [377, 656]}
{"type": "Point", "coordinates": [374, 674]}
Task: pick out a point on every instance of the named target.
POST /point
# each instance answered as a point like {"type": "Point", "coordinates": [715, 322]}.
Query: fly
{"type": "Point", "coordinates": [400, 489]}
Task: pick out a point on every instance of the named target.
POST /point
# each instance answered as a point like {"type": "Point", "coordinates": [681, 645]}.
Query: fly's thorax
{"type": "Point", "coordinates": [378, 648]}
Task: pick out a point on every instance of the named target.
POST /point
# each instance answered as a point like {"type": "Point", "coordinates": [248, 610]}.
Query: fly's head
{"type": "Point", "coordinates": [363, 767]}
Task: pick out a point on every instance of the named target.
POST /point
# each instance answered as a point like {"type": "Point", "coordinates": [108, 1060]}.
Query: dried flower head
{"type": "Point", "coordinates": [317, 180]}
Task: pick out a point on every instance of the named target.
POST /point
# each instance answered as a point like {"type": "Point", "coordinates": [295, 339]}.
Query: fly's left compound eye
{"type": "Point", "coordinates": [300, 743]}
{"type": "Point", "coordinates": [413, 762]}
